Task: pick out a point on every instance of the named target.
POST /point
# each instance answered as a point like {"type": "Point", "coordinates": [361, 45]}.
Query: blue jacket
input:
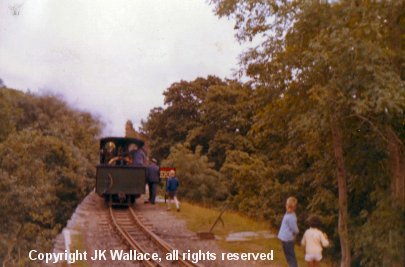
{"type": "Point", "coordinates": [288, 228]}
{"type": "Point", "coordinates": [172, 184]}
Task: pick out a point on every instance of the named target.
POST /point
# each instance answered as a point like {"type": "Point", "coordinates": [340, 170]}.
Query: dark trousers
{"type": "Point", "coordinates": [288, 248]}
{"type": "Point", "coordinates": [152, 192]}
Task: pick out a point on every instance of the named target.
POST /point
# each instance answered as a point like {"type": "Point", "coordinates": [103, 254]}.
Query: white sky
{"type": "Point", "coordinates": [113, 58]}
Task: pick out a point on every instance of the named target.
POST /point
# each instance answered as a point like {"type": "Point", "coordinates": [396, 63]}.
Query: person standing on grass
{"type": "Point", "coordinates": [313, 241]}
{"type": "Point", "coordinates": [288, 231]}
{"type": "Point", "coordinates": [171, 189]}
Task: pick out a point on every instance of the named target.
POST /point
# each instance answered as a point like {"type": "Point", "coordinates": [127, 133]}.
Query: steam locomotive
{"type": "Point", "coordinates": [118, 180]}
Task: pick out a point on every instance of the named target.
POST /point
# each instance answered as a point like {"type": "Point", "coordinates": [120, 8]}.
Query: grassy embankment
{"type": "Point", "coordinates": [200, 219]}
{"type": "Point", "coordinates": [78, 243]}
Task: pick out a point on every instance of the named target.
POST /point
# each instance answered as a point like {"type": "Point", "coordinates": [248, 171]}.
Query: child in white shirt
{"type": "Point", "coordinates": [313, 241]}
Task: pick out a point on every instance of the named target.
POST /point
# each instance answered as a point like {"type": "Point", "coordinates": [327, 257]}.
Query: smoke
{"type": "Point", "coordinates": [113, 58]}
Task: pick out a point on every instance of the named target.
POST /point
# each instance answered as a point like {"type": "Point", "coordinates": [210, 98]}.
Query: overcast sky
{"type": "Point", "coordinates": [113, 58]}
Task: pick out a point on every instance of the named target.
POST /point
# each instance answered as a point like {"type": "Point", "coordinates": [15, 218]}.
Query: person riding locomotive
{"type": "Point", "coordinates": [121, 174]}
{"type": "Point", "coordinates": [134, 156]}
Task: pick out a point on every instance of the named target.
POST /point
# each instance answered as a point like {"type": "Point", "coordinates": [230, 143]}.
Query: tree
{"type": "Point", "coordinates": [226, 116]}
{"type": "Point", "coordinates": [199, 182]}
{"type": "Point", "coordinates": [170, 125]}
{"type": "Point", "coordinates": [332, 63]}
{"type": "Point", "coordinates": [48, 154]}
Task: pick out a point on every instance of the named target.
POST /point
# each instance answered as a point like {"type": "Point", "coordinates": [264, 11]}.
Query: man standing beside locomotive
{"type": "Point", "coordinates": [153, 179]}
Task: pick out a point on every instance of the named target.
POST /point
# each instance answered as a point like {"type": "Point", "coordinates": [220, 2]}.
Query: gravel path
{"type": "Point", "coordinates": [90, 230]}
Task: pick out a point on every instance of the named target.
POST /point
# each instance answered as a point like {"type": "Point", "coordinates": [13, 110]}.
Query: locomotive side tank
{"type": "Point", "coordinates": [118, 180]}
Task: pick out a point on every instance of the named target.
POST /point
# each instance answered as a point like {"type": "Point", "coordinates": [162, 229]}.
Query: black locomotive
{"type": "Point", "coordinates": [118, 180]}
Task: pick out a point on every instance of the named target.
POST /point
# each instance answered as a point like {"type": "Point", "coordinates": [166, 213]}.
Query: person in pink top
{"type": "Point", "coordinates": [314, 240]}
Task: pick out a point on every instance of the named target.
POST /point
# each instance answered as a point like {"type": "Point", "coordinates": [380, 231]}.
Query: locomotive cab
{"type": "Point", "coordinates": [118, 179]}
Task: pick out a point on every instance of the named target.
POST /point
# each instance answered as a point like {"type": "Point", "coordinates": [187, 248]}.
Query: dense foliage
{"type": "Point", "coordinates": [199, 182]}
{"type": "Point", "coordinates": [321, 118]}
{"type": "Point", "coordinates": [47, 165]}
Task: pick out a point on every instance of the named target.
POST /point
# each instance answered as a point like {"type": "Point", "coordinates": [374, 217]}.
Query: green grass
{"type": "Point", "coordinates": [78, 243]}
{"type": "Point", "coordinates": [200, 219]}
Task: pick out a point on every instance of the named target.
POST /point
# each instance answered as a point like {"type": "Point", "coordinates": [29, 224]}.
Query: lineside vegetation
{"type": "Point", "coordinates": [48, 153]}
{"type": "Point", "coordinates": [321, 118]}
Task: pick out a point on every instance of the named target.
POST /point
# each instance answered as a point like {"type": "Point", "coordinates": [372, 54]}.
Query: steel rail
{"type": "Point", "coordinates": [159, 241]}
{"type": "Point", "coordinates": [130, 241]}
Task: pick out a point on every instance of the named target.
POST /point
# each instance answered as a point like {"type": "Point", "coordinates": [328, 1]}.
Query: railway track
{"type": "Point", "coordinates": [139, 237]}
